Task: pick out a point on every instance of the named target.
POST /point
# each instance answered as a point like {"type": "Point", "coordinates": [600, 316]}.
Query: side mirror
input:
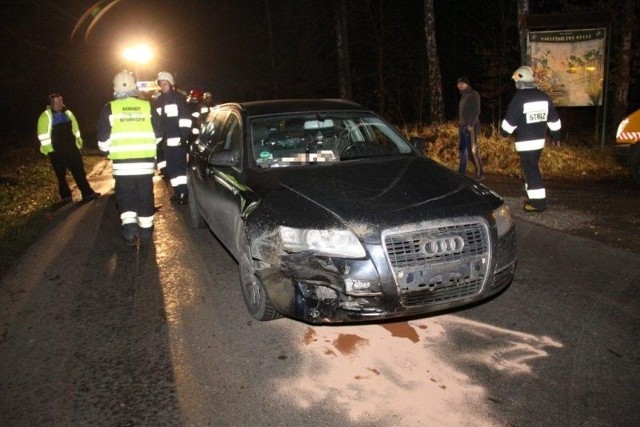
{"type": "Point", "coordinates": [222, 158]}
{"type": "Point", "coordinates": [219, 159]}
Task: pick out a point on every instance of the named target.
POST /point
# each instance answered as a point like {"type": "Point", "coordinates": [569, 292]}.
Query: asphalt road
{"type": "Point", "coordinates": [97, 333]}
{"type": "Point", "coordinates": [607, 211]}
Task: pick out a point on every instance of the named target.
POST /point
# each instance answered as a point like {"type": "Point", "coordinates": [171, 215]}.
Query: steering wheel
{"type": "Point", "coordinates": [355, 148]}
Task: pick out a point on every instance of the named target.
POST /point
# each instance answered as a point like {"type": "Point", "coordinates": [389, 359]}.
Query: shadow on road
{"type": "Point", "coordinates": [97, 349]}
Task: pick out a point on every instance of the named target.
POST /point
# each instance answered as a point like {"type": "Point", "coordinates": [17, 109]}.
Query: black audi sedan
{"type": "Point", "coordinates": [333, 216]}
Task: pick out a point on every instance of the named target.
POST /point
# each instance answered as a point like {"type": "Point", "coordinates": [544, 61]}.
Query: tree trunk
{"type": "Point", "coordinates": [434, 80]}
{"type": "Point", "coordinates": [274, 71]}
{"type": "Point", "coordinates": [523, 11]}
{"type": "Point", "coordinates": [342, 40]}
{"type": "Point", "coordinates": [624, 64]}
{"type": "Point", "coordinates": [380, 62]}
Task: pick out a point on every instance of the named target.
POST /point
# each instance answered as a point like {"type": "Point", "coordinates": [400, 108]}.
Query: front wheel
{"type": "Point", "coordinates": [253, 292]}
{"type": "Point", "coordinates": [197, 221]}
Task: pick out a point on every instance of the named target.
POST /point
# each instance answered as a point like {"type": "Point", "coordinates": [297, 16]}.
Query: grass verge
{"type": "Point", "coordinates": [28, 199]}
{"type": "Point", "coordinates": [573, 160]}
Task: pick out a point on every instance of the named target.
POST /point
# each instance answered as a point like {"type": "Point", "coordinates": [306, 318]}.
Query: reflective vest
{"type": "Point", "coordinates": [132, 144]}
{"type": "Point", "coordinates": [45, 124]}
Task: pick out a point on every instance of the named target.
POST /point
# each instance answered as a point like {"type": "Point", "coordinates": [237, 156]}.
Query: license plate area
{"type": "Point", "coordinates": [436, 276]}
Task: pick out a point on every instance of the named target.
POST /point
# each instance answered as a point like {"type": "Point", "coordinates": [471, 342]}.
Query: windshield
{"type": "Point", "coordinates": [317, 138]}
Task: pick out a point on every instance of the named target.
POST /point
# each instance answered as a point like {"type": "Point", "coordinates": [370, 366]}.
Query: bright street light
{"type": "Point", "coordinates": [140, 54]}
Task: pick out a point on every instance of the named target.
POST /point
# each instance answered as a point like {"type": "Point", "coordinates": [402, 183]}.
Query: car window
{"type": "Point", "coordinates": [233, 136]}
{"type": "Point", "coordinates": [211, 131]}
{"type": "Point", "coordinates": [322, 137]}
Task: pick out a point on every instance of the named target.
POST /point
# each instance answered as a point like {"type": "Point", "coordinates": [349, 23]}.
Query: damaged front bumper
{"type": "Point", "coordinates": [334, 290]}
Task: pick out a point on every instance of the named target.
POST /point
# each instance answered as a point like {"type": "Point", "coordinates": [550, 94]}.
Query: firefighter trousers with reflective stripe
{"type": "Point", "coordinates": [534, 186]}
{"type": "Point", "coordinates": [177, 169]}
{"type": "Point", "coordinates": [134, 196]}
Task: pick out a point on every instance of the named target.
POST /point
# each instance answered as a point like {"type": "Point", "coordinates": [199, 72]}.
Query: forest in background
{"type": "Point", "coordinates": [261, 49]}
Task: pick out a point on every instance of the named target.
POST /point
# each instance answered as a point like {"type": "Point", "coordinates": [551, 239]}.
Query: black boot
{"type": "Point", "coordinates": [130, 233]}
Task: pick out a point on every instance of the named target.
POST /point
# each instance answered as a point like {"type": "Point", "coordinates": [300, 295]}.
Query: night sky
{"type": "Point", "coordinates": [223, 46]}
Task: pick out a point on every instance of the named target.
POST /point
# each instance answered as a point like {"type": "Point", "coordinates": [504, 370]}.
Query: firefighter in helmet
{"type": "Point", "coordinates": [529, 114]}
{"type": "Point", "coordinates": [176, 126]}
{"type": "Point", "coordinates": [129, 129]}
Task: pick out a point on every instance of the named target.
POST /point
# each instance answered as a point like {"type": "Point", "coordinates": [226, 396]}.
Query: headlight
{"type": "Point", "coordinates": [504, 222]}
{"type": "Point", "coordinates": [336, 243]}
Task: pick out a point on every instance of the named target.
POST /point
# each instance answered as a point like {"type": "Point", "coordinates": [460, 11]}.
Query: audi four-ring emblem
{"type": "Point", "coordinates": [442, 246]}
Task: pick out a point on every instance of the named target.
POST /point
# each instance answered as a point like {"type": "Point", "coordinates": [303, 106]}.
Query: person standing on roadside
{"type": "Point", "coordinates": [469, 127]}
{"type": "Point", "coordinates": [60, 140]}
{"type": "Point", "coordinates": [129, 129]}
{"type": "Point", "coordinates": [172, 108]}
{"type": "Point", "coordinates": [205, 107]}
{"type": "Point", "coordinates": [531, 112]}
{"type": "Point", "coordinates": [193, 103]}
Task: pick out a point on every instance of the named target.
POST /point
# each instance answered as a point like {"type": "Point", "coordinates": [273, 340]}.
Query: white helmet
{"type": "Point", "coordinates": [165, 75]}
{"type": "Point", "coordinates": [524, 73]}
{"type": "Point", "coordinates": [124, 82]}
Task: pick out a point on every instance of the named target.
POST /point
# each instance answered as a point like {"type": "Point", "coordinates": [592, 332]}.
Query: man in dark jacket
{"type": "Point", "coordinates": [60, 140]}
{"type": "Point", "coordinates": [531, 112]}
{"type": "Point", "coordinates": [469, 127]}
{"type": "Point", "coordinates": [176, 126]}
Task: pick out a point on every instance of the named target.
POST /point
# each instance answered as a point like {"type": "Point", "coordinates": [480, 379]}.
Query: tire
{"type": "Point", "coordinates": [197, 221]}
{"type": "Point", "coordinates": [255, 297]}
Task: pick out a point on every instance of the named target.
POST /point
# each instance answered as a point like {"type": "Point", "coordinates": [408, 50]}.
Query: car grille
{"type": "Point", "coordinates": [439, 263]}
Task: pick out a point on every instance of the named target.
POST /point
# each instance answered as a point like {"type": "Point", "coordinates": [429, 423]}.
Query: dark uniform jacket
{"type": "Point", "coordinates": [531, 111]}
{"type": "Point", "coordinates": [175, 118]}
